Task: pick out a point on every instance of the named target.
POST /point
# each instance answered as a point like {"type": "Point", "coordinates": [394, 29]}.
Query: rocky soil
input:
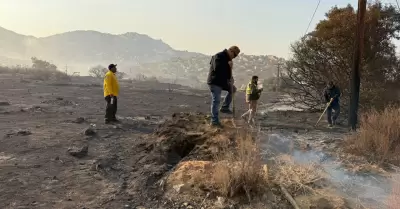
{"type": "Point", "coordinates": [56, 151]}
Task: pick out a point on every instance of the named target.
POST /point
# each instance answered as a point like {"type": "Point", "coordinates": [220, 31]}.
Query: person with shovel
{"type": "Point", "coordinates": [332, 95]}
{"type": "Point", "coordinates": [220, 78]}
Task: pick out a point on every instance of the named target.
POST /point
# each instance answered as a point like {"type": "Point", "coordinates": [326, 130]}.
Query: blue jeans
{"type": "Point", "coordinates": [216, 100]}
{"type": "Point", "coordinates": [336, 111]}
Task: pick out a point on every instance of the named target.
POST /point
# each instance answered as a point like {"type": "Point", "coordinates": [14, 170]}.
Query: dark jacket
{"type": "Point", "coordinates": [220, 71]}
{"type": "Point", "coordinates": [334, 93]}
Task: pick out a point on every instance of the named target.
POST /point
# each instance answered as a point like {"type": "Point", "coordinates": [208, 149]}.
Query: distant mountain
{"type": "Point", "coordinates": [136, 54]}
{"type": "Point", "coordinates": [88, 47]}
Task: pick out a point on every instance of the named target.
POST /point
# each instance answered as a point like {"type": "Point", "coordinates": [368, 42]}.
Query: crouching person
{"type": "Point", "coordinates": [252, 96]}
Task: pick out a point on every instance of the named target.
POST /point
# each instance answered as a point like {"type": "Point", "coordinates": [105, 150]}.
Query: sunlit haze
{"type": "Point", "coordinates": [206, 26]}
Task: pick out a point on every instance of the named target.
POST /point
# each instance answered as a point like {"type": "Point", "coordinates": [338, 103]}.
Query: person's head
{"type": "Point", "coordinates": [254, 79]}
{"type": "Point", "coordinates": [233, 52]}
{"type": "Point", "coordinates": [112, 68]}
{"type": "Point", "coordinates": [330, 84]}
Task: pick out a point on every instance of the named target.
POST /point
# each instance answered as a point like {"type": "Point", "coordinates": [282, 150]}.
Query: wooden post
{"type": "Point", "coordinates": [278, 82]}
{"type": "Point", "coordinates": [355, 74]}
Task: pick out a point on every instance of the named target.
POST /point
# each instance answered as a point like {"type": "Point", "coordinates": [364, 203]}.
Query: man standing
{"type": "Point", "coordinates": [111, 90]}
{"type": "Point", "coordinates": [332, 94]}
{"type": "Point", "coordinates": [220, 78]}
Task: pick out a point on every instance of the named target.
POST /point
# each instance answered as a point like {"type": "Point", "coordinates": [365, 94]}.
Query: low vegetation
{"type": "Point", "coordinates": [241, 171]}
{"type": "Point", "coordinates": [393, 201]}
{"type": "Point", "coordinates": [99, 72]}
{"type": "Point", "coordinates": [378, 137]}
{"type": "Point", "coordinates": [299, 179]}
{"type": "Point", "coordinates": [40, 70]}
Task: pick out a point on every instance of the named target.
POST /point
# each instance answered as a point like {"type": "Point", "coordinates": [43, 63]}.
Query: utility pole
{"type": "Point", "coordinates": [355, 74]}
{"type": "Point", "coordinates": [278, 76]}
{"type": "Point", "coordinates": [66, 69]}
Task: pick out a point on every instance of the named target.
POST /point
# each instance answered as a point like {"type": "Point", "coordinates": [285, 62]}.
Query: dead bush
{"type": "Point", "coordinates": [394, 198]}
{"type": "Point", "coordinates": [241, 171]}
{"type": "Point", "coordinates": [378, 138]}
{"type": "Point", "coordinates": [296, 178]}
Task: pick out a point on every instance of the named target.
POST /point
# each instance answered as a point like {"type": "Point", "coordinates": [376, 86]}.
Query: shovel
{"type": "Point", "coordinates": [233, 107]}
{"type": "Point", "coordinates": [324, 111]}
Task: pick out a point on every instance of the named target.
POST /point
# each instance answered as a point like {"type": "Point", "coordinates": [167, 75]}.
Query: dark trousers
{"type": "Point", "coordinates": [111, 109]}
{"type": "Point", "coordinates": [332, 113]}
{"type": "Point", "coordinates": [216, 100]}
{"type": "Point", "coordinates": [228, 98]}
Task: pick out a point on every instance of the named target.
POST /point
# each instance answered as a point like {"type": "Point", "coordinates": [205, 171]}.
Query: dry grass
{"type": "Point", "coordinates": [394, 198]}
{"type": "Point", "coordinates": [297, 178]}
{"type": "Point", "coordinates": [241, 171]}
{"type": "Point", "coordinates": [378, 137]}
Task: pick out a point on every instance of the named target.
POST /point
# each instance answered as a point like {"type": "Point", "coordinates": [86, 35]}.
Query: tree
{"type": "Point", "coordinates": [42, 65]}
{"type": "Point", "coordinates": [98, 71]}
{"type": "Point", "coordinates": [120, 75]}
{"type": "Point", "coordinates": [327, 54]}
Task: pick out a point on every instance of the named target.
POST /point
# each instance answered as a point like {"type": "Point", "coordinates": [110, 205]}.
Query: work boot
{"type": "Point", "coordinates": [216, 125]}
{"type": "Point", "coordinates": [226, 111]}
{"type": "Point", "coordinates": [116, 121]}
{"type": "Point", "coordinates": [330, 126]}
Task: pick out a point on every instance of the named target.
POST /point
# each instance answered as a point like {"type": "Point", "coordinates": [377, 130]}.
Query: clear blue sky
{"type": "Point", "coordinates": [207, 26]}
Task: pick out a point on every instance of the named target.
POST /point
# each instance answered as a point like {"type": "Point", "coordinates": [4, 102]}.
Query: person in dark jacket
{"type": "Point", "coordinates": [220, 78]}
{"type": "Point", "coordinates": [332, 93]}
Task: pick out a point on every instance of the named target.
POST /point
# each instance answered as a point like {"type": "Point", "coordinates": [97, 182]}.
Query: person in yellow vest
{"type": "Point", "coordinates": [111, 91]}
{"type": "Point", "coordinates": [253, 93]}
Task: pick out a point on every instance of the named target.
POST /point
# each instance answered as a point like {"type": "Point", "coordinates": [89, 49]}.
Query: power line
{"type": "Point", "coordinates": [312, 17]}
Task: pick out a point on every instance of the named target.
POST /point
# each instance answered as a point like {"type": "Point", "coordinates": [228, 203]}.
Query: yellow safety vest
{"type": "Point", "coordinates": [250, 87]}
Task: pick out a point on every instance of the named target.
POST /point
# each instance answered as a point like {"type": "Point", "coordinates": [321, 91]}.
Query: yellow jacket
{"type": "Point", "coordinates": [111, 85]}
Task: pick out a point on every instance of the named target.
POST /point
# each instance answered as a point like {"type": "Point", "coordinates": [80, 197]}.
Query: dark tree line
{"type": "Point", "coordinates": [327, 54]}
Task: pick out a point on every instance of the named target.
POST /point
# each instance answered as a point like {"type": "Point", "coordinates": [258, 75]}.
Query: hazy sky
{"type": "Point", "coordinates": [207, 26]}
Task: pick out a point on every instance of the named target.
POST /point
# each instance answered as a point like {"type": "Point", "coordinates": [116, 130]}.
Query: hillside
{"type": "Point", "coordinates": [193, 71]}
{"type": "Point", "coordinates": [88, 47]}
{"type": "Point", "coordinates": [136, 54]}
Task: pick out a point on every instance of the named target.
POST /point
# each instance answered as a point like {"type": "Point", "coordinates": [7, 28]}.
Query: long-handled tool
{"type": "Point", "coordinates": [233, 106]}
{"type": "Point", "coordinates": [329, 104]}
{"type": "Point", "coordinates": [233, 103]}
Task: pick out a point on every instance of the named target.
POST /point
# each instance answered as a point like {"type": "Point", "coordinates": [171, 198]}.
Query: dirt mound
{"type": "Point", "coordinates": [191, 177]}
{"type": "Point", "coordinates": [206, 164]}
{"type": "Point", "coordinates": [187, 136]}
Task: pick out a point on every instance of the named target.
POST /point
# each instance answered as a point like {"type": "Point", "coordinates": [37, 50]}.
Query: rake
{"type": "Point", "coordinates": [320, 117]}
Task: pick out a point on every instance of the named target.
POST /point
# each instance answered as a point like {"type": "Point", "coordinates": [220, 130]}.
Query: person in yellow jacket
{"type": "Point", "coordinates": [111, 91]}
{"type": "Point", "coordinates": [253, 93]}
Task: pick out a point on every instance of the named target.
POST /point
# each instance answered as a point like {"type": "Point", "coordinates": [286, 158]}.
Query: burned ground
{"type": "Point", "coordinates": [120, 167]}
{"type": "Point", "coordinates": [56, 151]}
